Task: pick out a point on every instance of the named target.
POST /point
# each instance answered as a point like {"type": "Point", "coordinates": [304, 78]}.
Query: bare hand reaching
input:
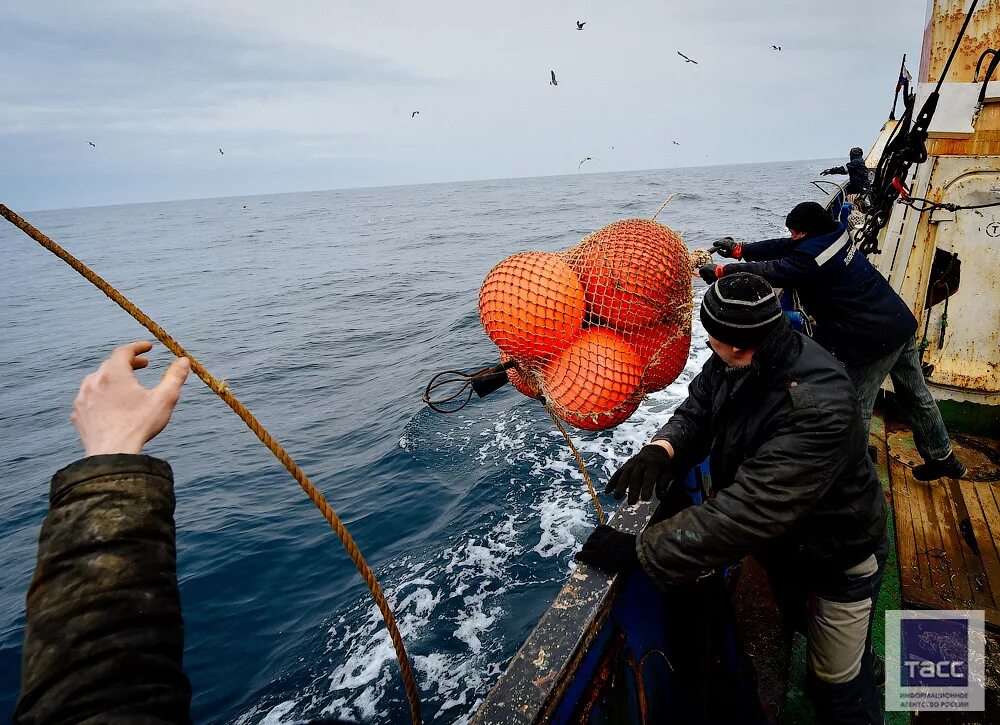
{"type": "Point", "coordinates": [114, 413]}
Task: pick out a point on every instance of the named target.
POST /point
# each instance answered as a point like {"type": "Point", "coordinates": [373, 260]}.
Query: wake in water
{"type": "Point", "coordinates": [457, 606]}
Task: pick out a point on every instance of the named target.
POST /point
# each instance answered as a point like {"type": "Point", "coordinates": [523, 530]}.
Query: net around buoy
{"type": "Point", "coordinates": [594, 328]}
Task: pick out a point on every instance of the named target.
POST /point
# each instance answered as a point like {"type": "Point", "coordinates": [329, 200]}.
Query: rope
{"type": "Point", "coordinates": [579, 461]}
{"type": "Point", "coordinates": [662, 207]}
{"type": "Point", "coordinates": [221, 389]}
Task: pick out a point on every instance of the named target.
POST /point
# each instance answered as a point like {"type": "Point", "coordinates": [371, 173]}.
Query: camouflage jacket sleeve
{"type": "Point", "coordinates": [104, 636]}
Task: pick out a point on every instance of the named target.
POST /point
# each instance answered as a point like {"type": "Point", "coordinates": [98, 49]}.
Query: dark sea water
{"type": "Point", "coordinates": [327, 312]}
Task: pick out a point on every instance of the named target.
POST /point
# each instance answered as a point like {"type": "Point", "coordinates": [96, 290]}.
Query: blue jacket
{"type": "Point", "coordinates": [859, 317]}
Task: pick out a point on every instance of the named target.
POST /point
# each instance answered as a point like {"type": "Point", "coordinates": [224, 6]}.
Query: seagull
{"type": "Point", "coordinates": [222, 152]}
{"type": "Point", "coordinates": [92, 144]}
{"type": "Point", "coordinates": [589, 158]}
{"type": "Point", "coordinates": [553, 82]}
{"type": "Point", "coordinates": [675, 143]}
{"type": "Point", "coordinates": [580, 24]}
{"type": "Point", "coordinates": [686, 58]}
{"type": "Point", "coordinates": [414, 114]}
{"type": "Point", "coordinates": [776, 47]}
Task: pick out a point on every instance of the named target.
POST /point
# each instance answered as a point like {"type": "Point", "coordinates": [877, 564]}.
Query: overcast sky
{"type": "Point", "coordinates": [318, 94]}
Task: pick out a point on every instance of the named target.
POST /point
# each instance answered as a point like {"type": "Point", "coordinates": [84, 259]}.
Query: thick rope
{"type": "Point", "coordinates": [663, 206]}
{"type": "Point", "coordinates": [221, 389]}
{"type": "Point", "coordinates": [579, 460]}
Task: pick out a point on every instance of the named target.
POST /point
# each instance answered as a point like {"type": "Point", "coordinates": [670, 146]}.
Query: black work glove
{"type": "Point", "coordinates": [650, 468]}
{"type": "Point", "coordinates": [610, 550]}
{"type": "Point", "coordinates": [728, 247]}
{"type": "Point", "coordinates": [826, 172]}
{"type": "Point", "coordinates": [709, 272]}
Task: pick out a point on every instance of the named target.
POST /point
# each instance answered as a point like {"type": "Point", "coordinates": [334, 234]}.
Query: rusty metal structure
{"type": "Point", "coordinates": [940, 259]}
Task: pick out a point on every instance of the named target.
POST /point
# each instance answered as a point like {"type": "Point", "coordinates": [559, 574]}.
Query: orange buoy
{"type": "Point", "coordinates": [664, 347]}
{"type": "Point", "coordinates": [600, 421]}
{"type": "Point", "coordinates": [532, 305]}
{"type": "Point", "coordinates": [594, 379]}
{"type": "Point", "coordinates": [634, 272]}
{"type": "Point", "coordinates": [524, 381]}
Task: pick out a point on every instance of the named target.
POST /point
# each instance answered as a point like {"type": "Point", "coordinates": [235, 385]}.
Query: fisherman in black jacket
{"type": "Point", "coordinates": [859, 318]}
{"type": "Point", "coordinates": [793, 483]}
{"type": "Point", "coordinates": [859, 183]}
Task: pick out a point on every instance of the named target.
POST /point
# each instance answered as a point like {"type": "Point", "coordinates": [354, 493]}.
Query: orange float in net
{"type": "Point", "coordinates": [532, 305]}
{"type": "Point", "coordinates": [524, 382]}
{"type": "Point", "coordinates": [595, 328]}
{"type": "Point", "coordinates": [594, 378]}
{"type": "Point", "coordinates": [665, 347]}
{"type": "Point", "coordinates": [630, 270]}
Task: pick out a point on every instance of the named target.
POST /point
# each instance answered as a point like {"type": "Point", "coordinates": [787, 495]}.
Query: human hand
{"type": "Point", "coordinates": [709, 273]}
{"type": "Point", "coordinates": [728, 247]}
{"type": "Point", "coordinates": [651, 467]}
{"type": "Point", "coordinates": [114, 413]}
{"type": "Point", "coordinates": [610, 550]}
{"type": "Point", "coordinates": [825, 172]}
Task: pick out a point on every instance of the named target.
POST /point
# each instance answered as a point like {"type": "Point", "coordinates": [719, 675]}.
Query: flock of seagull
{"type": "Point", "coordinates": [553, 81]}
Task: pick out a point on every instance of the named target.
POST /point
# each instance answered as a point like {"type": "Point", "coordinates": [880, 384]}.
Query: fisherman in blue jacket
{"type": "Point", "coordinates": [859, 318]}
{"type": "Point", "coordinates": [859, 182]}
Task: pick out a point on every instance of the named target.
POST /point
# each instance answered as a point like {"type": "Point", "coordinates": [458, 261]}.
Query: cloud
{"type": "Point", "coordinates": [318, 94]}
{"type": "Point", "coordinates": [127, 63]}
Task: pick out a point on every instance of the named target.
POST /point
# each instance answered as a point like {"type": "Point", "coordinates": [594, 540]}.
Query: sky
{"type": "Point", "coordinates": [318, 94]}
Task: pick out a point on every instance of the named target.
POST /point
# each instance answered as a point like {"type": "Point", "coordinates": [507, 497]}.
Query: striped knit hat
{"type": "Point", "coordinates": [740, 310]}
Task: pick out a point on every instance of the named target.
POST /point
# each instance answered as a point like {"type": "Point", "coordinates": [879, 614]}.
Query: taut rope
{"type": "Point", "coordinates": [579, 461]}
{"type": "Point", "coordinates": [222, 390]}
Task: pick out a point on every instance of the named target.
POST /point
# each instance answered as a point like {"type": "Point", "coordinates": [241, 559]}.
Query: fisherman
{"type": "Point", "coordinates": [794, 487]}
{"type": "Point", "coordinates": [104, 636]}
{"type": "Point", "coordinates": [859, 183]}
{"type": "Point", "coordinates": [858, 317]}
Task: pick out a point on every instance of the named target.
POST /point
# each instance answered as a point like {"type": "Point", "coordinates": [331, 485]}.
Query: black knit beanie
{"type": "Point", "coordinates": [857, 152]}
{"type": "Point", "coordinates": [811, 218]}
{"type": "Point", "coordinates": [740, 310]}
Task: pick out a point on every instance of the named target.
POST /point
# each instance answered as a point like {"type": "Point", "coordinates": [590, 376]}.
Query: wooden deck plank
{"type": "Point", "coordinates": [947, 531]}
{"type": "Point", "coordinates": [975, 568]}
{"type": "Point", "coordinates": [932, 550]}
{"type": "Point", "coordinates": [960, 559]}
{"type": "Point", "coordinates": [918, 587]}
{"type": "Point", "coordinates": [937, 553]}
{"type": "Point", "coordinates": [906, 548]}
{"type": "Point", "coordinates": [987, 495]}
{"type": "Point", "coordinates": [988, 552]}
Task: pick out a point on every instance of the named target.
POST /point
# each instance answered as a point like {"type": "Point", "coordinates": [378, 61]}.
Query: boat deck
{"type": "Point", "coordinates": [948, 530]}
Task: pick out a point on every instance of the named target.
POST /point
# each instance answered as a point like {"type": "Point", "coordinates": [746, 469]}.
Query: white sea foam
{"type": "Point", "coordinates": [548, 515]}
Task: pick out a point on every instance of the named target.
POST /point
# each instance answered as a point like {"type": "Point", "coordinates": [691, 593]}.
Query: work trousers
{"type": "Point", "coordinates": [903, 367]}
{"type": "Point", "coordinates": [836, 611]}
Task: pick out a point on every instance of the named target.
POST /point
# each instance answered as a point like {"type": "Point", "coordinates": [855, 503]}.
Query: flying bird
{"type": "Point", "coordinates": [92, 144]}
{"type": "Point", "coordinates": [414, 114]}
{"type": "Point", "coordinates": [675, 143]}
{"type": "Point", "coordinates": [553, 82]}
{"type": "Point", "coordinates": [686, 58]}
{"type": "Point", "coordinates": [589, 158]}
{"type": "Point", "coordinates": [776, 47]}
{"type": "Point", "coordinates": [222, 152]}
{"type": "Point", "coordinates": [580, 24]}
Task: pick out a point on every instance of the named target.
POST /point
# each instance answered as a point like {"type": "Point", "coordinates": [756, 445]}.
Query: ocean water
{"type": "Point", "coordinates": [328, 312]}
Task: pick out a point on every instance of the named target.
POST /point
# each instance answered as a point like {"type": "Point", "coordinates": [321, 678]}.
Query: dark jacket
{"type": "Point", "coordinates": [103, 636]}
{"type": "Point", "coordinates": [859, 317]}
{"type": "Point", "coordinates": [789, 462]}
{"type": "Point", "coordinates": [858, 172]}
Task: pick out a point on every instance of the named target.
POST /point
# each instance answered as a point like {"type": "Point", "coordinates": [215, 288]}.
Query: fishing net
{"type": "Point", "coordinates": [593, 329]}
